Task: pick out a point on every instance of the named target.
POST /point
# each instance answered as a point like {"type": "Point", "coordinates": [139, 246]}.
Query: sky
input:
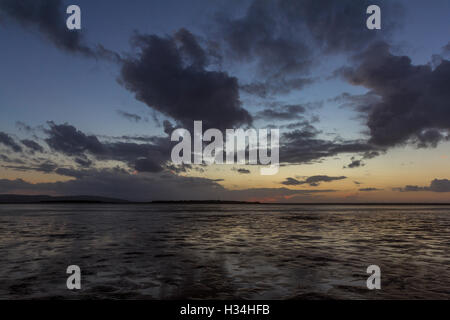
{"type": "Point", "coordinates": [364, 115]}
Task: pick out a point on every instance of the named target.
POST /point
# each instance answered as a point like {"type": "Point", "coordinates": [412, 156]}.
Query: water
{"type": "Point", "coordinates": [224, 251]}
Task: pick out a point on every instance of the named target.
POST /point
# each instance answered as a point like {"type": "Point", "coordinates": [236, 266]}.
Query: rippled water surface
{"type": "Point", "coordinates": [224, 251]}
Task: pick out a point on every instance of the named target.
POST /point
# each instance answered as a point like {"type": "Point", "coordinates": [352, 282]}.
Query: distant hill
{"type": "Point", "coordinates": [14, 198]}
{"type": "Point", "coordinates": [17, 199]}
{"type": "Point", "coordinates": [203, 202]}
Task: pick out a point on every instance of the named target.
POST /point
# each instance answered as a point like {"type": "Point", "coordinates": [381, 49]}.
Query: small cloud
{"type": "Point", "coordinates": [355, 164]}
{"type": "Point", "coordinates": [129, 116]}
{"type": "Point", "coordinates": [446, 49]}
{"type": "Point", "coordinates": [313, 181]}
{"type": "Point", "coordinates": [241, 170]}
{"type": "Point", "coordinates": [369, 189]}
{"type": "Point", "coordinates": [291, 182]}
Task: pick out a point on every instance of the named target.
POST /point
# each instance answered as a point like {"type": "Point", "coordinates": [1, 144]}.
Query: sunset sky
{"type": "Point", "coordinates": [364, 115]}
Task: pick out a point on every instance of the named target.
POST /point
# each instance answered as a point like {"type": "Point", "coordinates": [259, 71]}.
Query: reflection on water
{"type": "Point", "coordinates": [224, 251]}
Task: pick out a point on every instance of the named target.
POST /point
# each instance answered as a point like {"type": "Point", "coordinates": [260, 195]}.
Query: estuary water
{"type": "Point", "coordinates": [171, 251]}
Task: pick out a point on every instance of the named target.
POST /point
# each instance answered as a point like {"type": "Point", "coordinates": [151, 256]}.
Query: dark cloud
{"type": "Point", "coordinates": [262, 34]}
{"type": "Point", "coordinates": [242, 170]}
{"type": "Point", "coordinates": [68, 140]}
{"type": "Point", "coordinates": [147, 157]}
{"type": "Point", "coordinates": [292, 182]}
{"type": "Point", "coordinates": [303, 146]}
{"type": "Point", "coordinates": [8, 141]}
{"type": "Point", "coordinates": [369, 189]}
{"type": "Point", "coordinates": [415, 100]}
{"type": "Point", "coordinates": [437, 185]}
{"type": "Point", "coordinates": [285, 36]}
{"type": "Point", "coordinates": [363, 103]}
{"type": "Point", "coordinates": [191, 49]}
{"type": "Point", "coordinates": [147, 165]}
{"type": "Point", "coordinates": [49, 17]}
{"type": "Point", "coordinates": [357, 182]}
{"type": "Point", "coordinates": [168, 76]}
{"type": "Point", "coordinates": [168, 127]}
{"type": "Point", "coordinates": [158, 152]}
{"type": "Point", "coordinates": [129, 116]}
{"type": "Point", "coordinates": [83, 161]}
{"type": "Point", "coordinates": [355, 164]}
{"type": "Point", "coordinates": [45, 167]}
{"type": "Point", "coordinates": [410, 188]}
{"type": "Point", "coordinates": [340, 26]}
{"type": "Point", "coordinates": [313, 181]}
{"type": "Point", "coordinates": [5, 158]}
{"type": "Point", "coordinates": [32, 145]}
{"type": "Point", "coordinates": [440, 185]}
{"type": "Point", "coordinates": [372, 154]}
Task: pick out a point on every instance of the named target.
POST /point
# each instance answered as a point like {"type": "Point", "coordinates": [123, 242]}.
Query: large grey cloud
{"type": "Point", "coordinates": [169, 75]}
{"type": "Point", "coordinates": [415, 99]}
{"type": "Point", "coordinates": [70, 141]}
{"type": "Point", "coordinates": [152, 153]}
{"type": "Point", "coordinates": [285, 37]}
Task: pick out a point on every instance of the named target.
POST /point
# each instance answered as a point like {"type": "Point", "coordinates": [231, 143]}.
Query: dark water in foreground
{"type": "Point", "coordinates": [224, 251]}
